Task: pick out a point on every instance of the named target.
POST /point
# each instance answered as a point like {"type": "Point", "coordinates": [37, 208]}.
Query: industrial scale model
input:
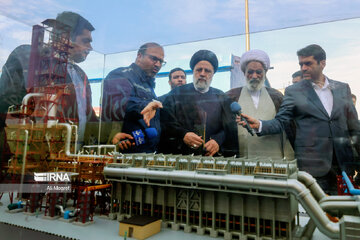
{"type": "Point", "coordinates": [236, 198]}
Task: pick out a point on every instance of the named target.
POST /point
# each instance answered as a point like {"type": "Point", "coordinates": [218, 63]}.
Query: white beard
{"type": "Point", "coordinates": [254, 84]}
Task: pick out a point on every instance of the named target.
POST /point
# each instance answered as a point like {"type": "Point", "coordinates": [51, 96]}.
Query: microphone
{"type": "Point", "coordinates": [140, 137]}
{"type": "Point", "coordinates": [236, 108]}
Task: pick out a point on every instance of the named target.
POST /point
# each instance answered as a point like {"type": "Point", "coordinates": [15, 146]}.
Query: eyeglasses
{"type": "Point", "coordinates": [156, 59]}
{"type": "Point", "coordinates": [255, 71]}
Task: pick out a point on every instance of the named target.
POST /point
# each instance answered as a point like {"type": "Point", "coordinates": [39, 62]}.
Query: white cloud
{"type": "Point", "coordinates": [29, 12]}
{"type": "Point", "coordinates": [191, 12]}
{"type": "Point", "coordinates": [23, 36]}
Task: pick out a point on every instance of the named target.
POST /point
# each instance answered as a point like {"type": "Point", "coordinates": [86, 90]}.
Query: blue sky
{"type": "Point", "coordinates": [339, 40]}
{"type": "Point", "coordinates": [123, 25]}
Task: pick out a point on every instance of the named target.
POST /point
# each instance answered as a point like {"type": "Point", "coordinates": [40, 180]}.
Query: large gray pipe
{"type": "Point", "coordinates": [292, 186]}
{"type": "Point", "coordinates": [310, 182]}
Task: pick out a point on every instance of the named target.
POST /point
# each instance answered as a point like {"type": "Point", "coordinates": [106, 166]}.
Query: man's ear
{"type": "Point", "coordinates": [138, 57]}
{"type": "Point", "coordinates": [323, 63]}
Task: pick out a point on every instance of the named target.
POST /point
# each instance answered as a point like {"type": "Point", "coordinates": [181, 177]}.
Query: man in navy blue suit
{"type": "Point", "coordinates": [325, 118]}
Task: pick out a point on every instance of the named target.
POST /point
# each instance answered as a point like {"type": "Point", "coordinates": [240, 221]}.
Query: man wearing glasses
{"type": "Point", "coordinates": [129, 100]}
{"type": "Point", "coordinates": [262, 102]}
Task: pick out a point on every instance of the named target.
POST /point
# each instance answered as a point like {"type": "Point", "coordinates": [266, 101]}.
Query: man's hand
{"type": "Point", "coordinates": [150, 110]}
{"type": "Point", "coordinates": [253, 123]}
{"type": "Point", "coordinates": [124, 144]}
{"type": "Point", "coordinates": [211, 147]}
{"type": "Point", "coordinates": [192, 140]}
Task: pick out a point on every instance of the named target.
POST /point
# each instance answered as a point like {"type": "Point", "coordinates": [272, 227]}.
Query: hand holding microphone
{"type": "Point", "coordinates": [123, 140]}
{"type": "Point", "coordinates": [137, 137]}
{"type": "Point", "coordinates": [236, 108]}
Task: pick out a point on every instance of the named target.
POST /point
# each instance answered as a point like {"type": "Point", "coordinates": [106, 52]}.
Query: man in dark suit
{"type": "Point", "coordinates": [325, 118]}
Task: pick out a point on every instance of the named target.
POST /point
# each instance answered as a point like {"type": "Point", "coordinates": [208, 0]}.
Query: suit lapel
{"type": "Point", "coordinates": [336, 97]}
{"type": "Point", "coordinates": [310, 93]}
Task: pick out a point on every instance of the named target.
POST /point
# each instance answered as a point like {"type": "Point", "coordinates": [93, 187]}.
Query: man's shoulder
{"type": "Point", "coordinates": [234, 93]}
{"type": "Point", "coordinates": [22, 49]}
{"type": "Point", "coordinates": [217, 91]}
{"type": "Point", "coordinates": [336, 83]}
{"type": "Point", "coordinates": [274, 92]}
{"type": "Point", "coordinates": [297, 86]}
{"type": "Point", "coordinates": [121, 72]}
{"type": "Point", "coordinates": [163, 97]}
{"type": "Point", "coordinates": [181, 89]}
{"type": "Point", "coordinates": [20, 54]}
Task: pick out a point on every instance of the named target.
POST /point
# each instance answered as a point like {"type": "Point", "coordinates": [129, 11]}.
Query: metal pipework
{"type": "Point", "coordinates": [27, 97]}
{"type": "Point", "coordinates": [327, 203]}
{"type": "Point", "coordinates": [292, 186]}
{"type": "Point", "coordinates": [23, 163]}
{"type": "Point", "coordinates": [350, 186]}
{"type": "Point", "coordinates": [99, 147]}
{"type": "Point", "coordinates": [310, 182]}
{"type": "Point", "coordinates": [71, 214]}
{"type": "Point", "coordinates": [337, 198]}
{"type": "Point", "coordinates": [68, 141]}
{"type": "Point", "coordinates": [342, 206]}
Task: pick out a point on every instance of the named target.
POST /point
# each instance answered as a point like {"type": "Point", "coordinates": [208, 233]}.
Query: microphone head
{"type": "Point", "coordinates": [235, 107]}
{"type": "Point", "coordinates": [139, 137]}
{"type": "Point", "coordinates": [151, 133]}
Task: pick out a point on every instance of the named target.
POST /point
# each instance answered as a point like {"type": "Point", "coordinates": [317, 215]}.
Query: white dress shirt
{"type": "Point", "coordinates": [324, 94]}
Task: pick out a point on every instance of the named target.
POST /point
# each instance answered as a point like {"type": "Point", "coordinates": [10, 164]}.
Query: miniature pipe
{"type": "Point", "coordinates": [61, 208]}
{"type": "Point", "coordinates": [310, 182]}
{"type": "Point", "coordinates": [350, 186]}
{"type": "Point", "coordinates": [27, 97]}
{"type": "Point", "coordinates": [23, 163]}
{"type": "Point", "coordinates": [339, 205]}
{"type": "Point", "coordinates": [308, 230]}
{"type": "Point", "coordinates": [76, 137]}
{"type": "Point", "coordinates": [292, 186]}
{"type": "Point", "coordinates": [99, 147]}
{"type": "Point", "coordinates": [71, 213]}
{"type": "Point", "coordinates": [68, 141]}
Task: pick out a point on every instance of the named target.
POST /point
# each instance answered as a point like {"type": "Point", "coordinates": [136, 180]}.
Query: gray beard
{"type": "Point", "coordinates": [255, 88]}
{"type": "Point", "coordinates": [201, 89]}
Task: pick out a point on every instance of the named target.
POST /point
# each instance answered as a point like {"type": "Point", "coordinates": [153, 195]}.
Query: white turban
{"type": "Point", "coordinates": [254, 55]}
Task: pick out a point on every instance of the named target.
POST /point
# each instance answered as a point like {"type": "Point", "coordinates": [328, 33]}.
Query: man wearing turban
{"type": "Point", "coordinates": [197, 117]}
{"type": "Point", "coordinates": [326, 121]}
{"type": "Point", "coordinates": [262, 102]}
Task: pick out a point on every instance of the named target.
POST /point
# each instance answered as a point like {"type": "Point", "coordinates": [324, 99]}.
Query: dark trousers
{"type": "Point", "coordinates": [329, 182]}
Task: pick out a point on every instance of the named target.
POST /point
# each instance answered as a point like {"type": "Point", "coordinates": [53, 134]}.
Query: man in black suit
{"type": "Point", "coordinates": [325, 118]}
